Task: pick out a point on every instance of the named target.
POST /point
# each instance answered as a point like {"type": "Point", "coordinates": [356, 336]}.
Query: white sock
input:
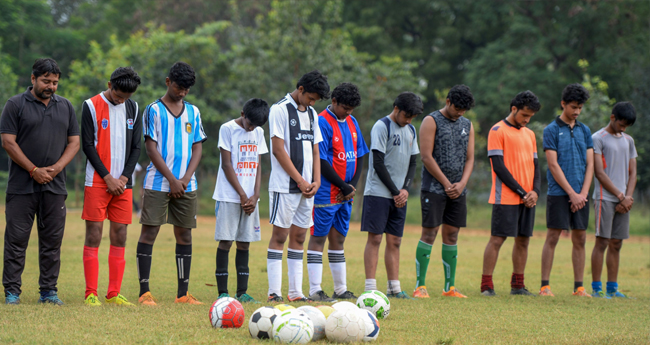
{"type": "Point", "coordinates": [274, 271]}
{"type": "Point", "coordinates": [393, 287]}
{"type": "Point", "coordinates": [371, 284]}
{"type": "Point", "coordinates": [337, 266]}
{"type": "Point", "coordinates": [315, 270]}
{"type": "Point", "coordinates": [294, 265]}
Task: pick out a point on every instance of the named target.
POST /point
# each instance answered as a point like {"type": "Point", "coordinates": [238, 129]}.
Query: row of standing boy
{"type": "Point", "coordinates": [302, 150]}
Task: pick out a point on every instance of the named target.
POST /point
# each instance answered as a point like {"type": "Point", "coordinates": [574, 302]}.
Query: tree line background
{"type": "Point", "coordinates": [259, 48]}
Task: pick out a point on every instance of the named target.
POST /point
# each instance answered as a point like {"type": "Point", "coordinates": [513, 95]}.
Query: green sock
{"type": "Point", "coordinates": [422, 256]}
{"type": "Point", "coordinates": [449, 259]}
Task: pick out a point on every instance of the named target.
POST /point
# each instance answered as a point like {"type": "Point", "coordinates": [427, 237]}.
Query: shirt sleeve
{"type": "Point", "coordinates": [9, 118]}
{"type": "Point", "coordinates": [261, 142]}
{"type": "Point", "coordinates": [549, 141]}
{"type": "Point", "coordinates": [225, 138]}
{"type": "Point", "coordinates": [379, 137]}
{"type": "Point", "coordinates": [598, 143]}
{"type": "Point", "coordinates": [73, 126]}
{"type": "Point", "coordinates": [588, 140]}
{"type": "Point", "coordinates": [277, 122]}
{"type": "Point", "coordinates": [495, 142]}
{"type": "Point", "coordinates": [149, 122]}
{"type": "Point", "coordinates": [633, 153]}
{"type": "Point", "coordinates": [326, 137]}
{"type": "Point", "coordinates": [362, 148]}
{"type": "Point", "coordinates": [318, 137]}
{"type": "Point", "coordinates": [533, 138]}
{"type": "Point", "coordinates": [199, 133]}
{"type": "Point", "coordinates": [415, 149]}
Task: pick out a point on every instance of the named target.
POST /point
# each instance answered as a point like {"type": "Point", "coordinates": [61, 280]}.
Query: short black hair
{"type": "Point", "coordinates": [461, 97]}
{"type": "Point", "coordinates": [526, 99]}
{"type": "Point", "coordinates": [256, 111]}
{"type": "Point", "coordinates": [409, 103]}
{"type": "Point", "coordinates": [125, 79]}
{"type": "Point", "coordinates": [347, 94]}
{"type": "Point", "coordinates": [575, 93]}
{"type": "Point", "coordinates": [315, 82]}
{"type": "Point", "coordinates": [45, 66]}
{"type": "Point", "coordinates": [624, 111]}
{"type": "Point", "coordinates": [182, 74]}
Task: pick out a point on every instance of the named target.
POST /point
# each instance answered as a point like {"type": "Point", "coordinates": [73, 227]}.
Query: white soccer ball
{"type": "Point", "coordinates": [260, 324]}
{"type": "Point", "coordinates": [345, 326]}
{"type": "Point", "coordinates": [375, 302]}
{"type": "Point", "coordinates": [372, 325]}
{"type": "Point", "coordinates": [318, 320]}
{"type": "Point", "coordinates": [293, 327]}
{"type": "Point", "coordinates": [345, 305]}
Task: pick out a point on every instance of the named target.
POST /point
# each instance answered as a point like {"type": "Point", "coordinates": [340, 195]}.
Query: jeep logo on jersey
{"type": "Point", "coordinates": [105, 123]}
{"type": "Point", "coordinates": [304, 136]}
{"type": "Point", "coordinates": [293, 122]}
{"type": "Point", "coordinates": [188, 127]}
{"type": "Point", "coordinates": [349, 156]}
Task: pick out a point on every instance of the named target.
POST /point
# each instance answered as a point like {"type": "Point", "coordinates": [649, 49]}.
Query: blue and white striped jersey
{"type": "Point", "coordinates": [174, 137]}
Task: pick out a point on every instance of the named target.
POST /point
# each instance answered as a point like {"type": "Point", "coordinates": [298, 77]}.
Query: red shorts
{"type": "Point", "coordinates": [99, 205]}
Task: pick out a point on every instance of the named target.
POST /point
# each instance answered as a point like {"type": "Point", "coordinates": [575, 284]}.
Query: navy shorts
{"type": "Point", "coordinates": [440, 209]}
{"type": "Point", "coordinates": [333, 216]}
{"type": "Point", "coordinates": [380, 215]}
{"type": "Point", "coordinates": [512, 220]}
{"type": "Point", "coordinates": [559, 215]}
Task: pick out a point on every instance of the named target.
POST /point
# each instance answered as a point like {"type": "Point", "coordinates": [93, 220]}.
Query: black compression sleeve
{"type": "Point", "coordinates": [505, 176]}
{"type": "Point", "coordinates": [382, 172]}
{"type": "Point", "coordinates": [537, 181]}
{"type": "Point", "coordinates": [411, 173]}
{"type": "Point", "coordinates": [88, 141]}
{"type": "Point", "coordinates": [328, 172]}
{"type": "Point", "coordinates": [357, 173]}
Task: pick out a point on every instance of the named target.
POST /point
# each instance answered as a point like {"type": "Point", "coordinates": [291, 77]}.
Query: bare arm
{"type": "Point", "coordinates": [18, 156]}
{"type": "Point", "coordinates": [313, 187]}
{"type": "Point", "coordinates": [68, 154]}
{"type": "Point", "coordinates": [176, 189]}
{"type": "Point", "coordinates": [251, 203]}
{"type": "Point", "coordinates": [627, 202]}
{"type": "Point", "coordinates": [427, 140]}
{"type": "Point", "coordinates": [197, 152]}
{"type": "Point", "coordinates": [231, 176]}
{"type": "Point", "coordinates": [456, 189]}
{"type": "Point", "coordinates": [286, 163]}
{"type": "Point", "coordinates": [578, 201]}
{"type": "Point", "coordinates": [599, 171]}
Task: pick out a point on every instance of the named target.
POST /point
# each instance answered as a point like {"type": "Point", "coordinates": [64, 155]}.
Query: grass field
{"type": "Point", "coordinates": [501, 320]}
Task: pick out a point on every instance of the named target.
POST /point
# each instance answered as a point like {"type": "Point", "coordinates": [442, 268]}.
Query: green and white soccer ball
{"type": "Point", "coordinates": [345, 326]}
{"type": "Point", "coordinates": [375, 302]}
{"type": "Point", "coordinates": [293, 327]}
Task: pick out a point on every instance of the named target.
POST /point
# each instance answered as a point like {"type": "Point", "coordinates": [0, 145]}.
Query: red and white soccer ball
{"type": "Point", "coordinates": [345, 326]}
{"type": "Point", "coordinates": [226, 312]}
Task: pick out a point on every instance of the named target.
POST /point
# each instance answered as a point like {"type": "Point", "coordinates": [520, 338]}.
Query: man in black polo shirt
{"type": "Point", "coordinates": [41, 136]}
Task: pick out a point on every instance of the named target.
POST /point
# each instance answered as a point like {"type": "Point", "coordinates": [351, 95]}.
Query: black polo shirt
{"type": "Point", "coordinates": [42, 133]}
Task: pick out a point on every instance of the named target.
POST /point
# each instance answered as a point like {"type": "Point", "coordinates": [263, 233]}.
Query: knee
{"type": "Point", "coordinates": [298, 238]}
{"type": "Point", "coordinates": [243, 245]}
{"type": "Point", "coordinates": [395, 242]}
{"type": "Point", "coordinates": [429, 235]}
{"type": "Point", "coordinates": [149, 234]}
{"type": "Point", "coordinates": [496, 242]}
{"type": "Point", "coordinates": [225, 245]}
{"type": "Point", "coordinates": [374, 240]}
{"type": "Point", "coordinates": [579, 240]}
{"type": "Point", "coordinates": [615, 244]}
{"type": "Point", "coordinates": [601, 244]}
{"type": "Point", "coordinates": [184, 237]}
{"type": "Point", "coordinates": [552, 239]}
{"type": "Point", "coordinates": [278, 239]}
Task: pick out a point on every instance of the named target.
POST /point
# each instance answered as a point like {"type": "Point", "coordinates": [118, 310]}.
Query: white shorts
{"type": "Point", "coordinates": [233, 224]}
{"type": "Point", "coordinates": [291, 208]}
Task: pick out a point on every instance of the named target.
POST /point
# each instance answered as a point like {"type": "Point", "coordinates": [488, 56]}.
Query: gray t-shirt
{"type": "Point", "coordinates": [616, 152]}
{"type": "Point", "coordinates": [398, 144]}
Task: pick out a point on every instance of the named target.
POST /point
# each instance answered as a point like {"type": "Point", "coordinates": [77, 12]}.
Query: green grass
{"type": "Point", "coordinates": [502, 320]}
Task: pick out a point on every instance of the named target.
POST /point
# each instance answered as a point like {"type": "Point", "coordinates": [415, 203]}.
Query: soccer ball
{"type": "Point", "coordinates": [261, 322]}
{"type": "Point", "coordinates": [372, 325]}
{"type": "Point", "coordinates": [345, 326]}
{"type": "Point", "coordinates": [318, 319]}
{"type": "Point", "coordinates": [326, 310]}
{"type": "Point", "coordinates": [226, 312]}
{"type": "Point", "coordinates": [284, 307]}
{"type": "Point", "coordinates": [344, 306]}
{"type": "Point", "coordinates": [375, 302]}
{"type": "Point", "coordinates": [293, 327]}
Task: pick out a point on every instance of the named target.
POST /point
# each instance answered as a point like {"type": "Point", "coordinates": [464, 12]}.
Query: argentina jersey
{"type": "Point", "coordinates": [174, 137]}
{"type": "Point", "coordinates": [342, 144]}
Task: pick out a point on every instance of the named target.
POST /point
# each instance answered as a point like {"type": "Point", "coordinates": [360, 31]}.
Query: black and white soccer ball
{"type": "Point", "coordinates": [260, 324]}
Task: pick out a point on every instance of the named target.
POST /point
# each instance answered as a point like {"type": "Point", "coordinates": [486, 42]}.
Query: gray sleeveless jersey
{"type": "Point", "coordinates": [449, 151]}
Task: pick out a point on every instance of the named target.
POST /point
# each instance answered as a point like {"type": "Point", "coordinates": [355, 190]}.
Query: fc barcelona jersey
{"type": "Point", "coordinates": [342, 144]}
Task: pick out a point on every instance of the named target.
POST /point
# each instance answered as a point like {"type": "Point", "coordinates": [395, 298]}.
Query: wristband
{"type": "Point", "coordinates": [31, 172]}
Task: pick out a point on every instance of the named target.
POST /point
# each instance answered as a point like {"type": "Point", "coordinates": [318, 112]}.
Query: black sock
{"type": "Point", "coordinates": [222, 271]}
{"type": "Point", "coordinates": [143, 260]}
{"type": "Point", "coordinates": [241, 263]}
{"type": "Point", "coordinates": [576, 285]}
{"type": "Point", "coordinates": [183, 264]}
{"type": "Point", "coordinates": [545, 283]}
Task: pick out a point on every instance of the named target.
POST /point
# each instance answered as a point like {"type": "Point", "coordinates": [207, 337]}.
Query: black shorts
{"type": "Point", "coordinates": [380, 215]}
{"type": "Point", "coordinates": [559, 215]}
{"type": "Point", "coordinates": [512, 220]}
{"type": "Point", "coordinates": [440, 209]}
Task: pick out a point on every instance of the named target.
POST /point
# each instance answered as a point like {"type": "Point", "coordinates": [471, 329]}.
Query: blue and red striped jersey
{"type": "Point", "coordinates": [342, 144]}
